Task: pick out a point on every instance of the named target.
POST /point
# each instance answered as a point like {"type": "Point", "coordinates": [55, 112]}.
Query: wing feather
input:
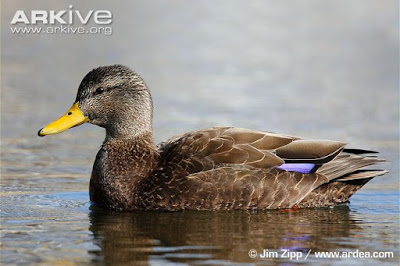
{"type": "Point", "coordinates": [228, 168]}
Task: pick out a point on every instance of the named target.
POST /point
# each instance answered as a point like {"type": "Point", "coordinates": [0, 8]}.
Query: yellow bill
{"type": "Point", "coordinates": [73, 117]}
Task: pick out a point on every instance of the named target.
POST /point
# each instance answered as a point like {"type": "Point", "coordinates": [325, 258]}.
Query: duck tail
{"type": "Point", "coordinates": [360, 175]}
{"type": "Point", "coordinates": [347, 174]}
{"type": "Point", "coordinates": [340, 190]}
{"type": "Point", "coordinates": [348, 164]}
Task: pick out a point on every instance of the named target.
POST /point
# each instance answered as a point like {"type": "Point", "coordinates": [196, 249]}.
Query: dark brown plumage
{"type": "Point", "coordinates": [215, 168]}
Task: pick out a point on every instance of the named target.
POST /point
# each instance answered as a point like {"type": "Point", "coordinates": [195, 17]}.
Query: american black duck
{"type": "Point", "coordinates": [217, 168]}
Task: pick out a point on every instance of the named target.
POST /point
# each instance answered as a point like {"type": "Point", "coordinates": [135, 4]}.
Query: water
{"type": "Point", "coordinates": [309, 68]}
{"type": "Point", "coordinates": [63, 227]}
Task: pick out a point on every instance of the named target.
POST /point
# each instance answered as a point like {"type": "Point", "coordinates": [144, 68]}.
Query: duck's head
{"type": "Point", "coordinates": [113, 97]}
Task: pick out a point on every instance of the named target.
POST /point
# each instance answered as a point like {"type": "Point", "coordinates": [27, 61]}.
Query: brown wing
{"type": "Point", "coordinates": [220, 146]}
{"type": "Point", "coordinates": [225, 167]}
{"type": "Point", "coordinates": [223, 145]}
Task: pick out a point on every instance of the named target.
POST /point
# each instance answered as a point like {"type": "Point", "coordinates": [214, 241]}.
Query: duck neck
{"type": "Point", "coordinates": [128, 127]}
{"type": "Point", "coordinates": [132, 121]}
{"type": "Point", "coordinates": [121, 166]}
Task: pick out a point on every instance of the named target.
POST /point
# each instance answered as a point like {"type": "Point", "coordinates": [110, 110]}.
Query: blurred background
{"type": "Point", "coordinates": [316, 69]}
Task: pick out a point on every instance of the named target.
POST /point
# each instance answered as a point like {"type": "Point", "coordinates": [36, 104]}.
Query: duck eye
{"type": "Point", "coordinates": [100, 90]}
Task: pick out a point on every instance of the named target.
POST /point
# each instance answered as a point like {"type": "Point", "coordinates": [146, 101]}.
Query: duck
{"type": "Point", "coordinates": [218, 168]}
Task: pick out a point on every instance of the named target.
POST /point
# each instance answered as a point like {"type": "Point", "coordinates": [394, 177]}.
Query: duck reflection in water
{"type": "Point", "coordinates": [191, 236]}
